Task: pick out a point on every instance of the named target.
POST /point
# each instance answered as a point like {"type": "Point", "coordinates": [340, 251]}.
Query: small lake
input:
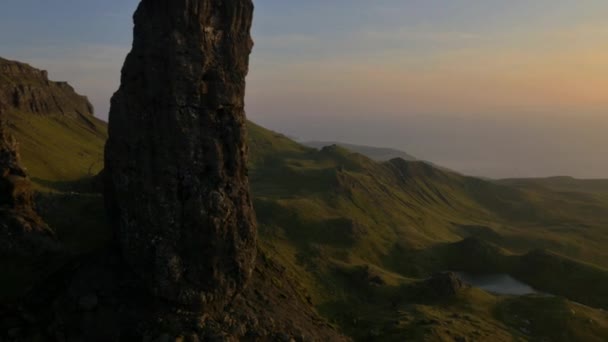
{"type": "Point", "coordinates": [502, 284]}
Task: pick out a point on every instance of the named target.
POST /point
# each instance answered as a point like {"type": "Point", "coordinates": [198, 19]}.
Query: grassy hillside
{"type": "Point", "coordinates": [59, 149]}
{"type": "Point", "coordinates": [61, 154]}
{"type": "Point", "coordinates": [340, 219]}
{"type": "Point", "coordinates": [362, 236]}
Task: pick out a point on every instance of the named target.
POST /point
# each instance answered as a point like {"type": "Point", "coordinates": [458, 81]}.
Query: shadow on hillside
{"type": "Point", "coordinates": [86, 185]}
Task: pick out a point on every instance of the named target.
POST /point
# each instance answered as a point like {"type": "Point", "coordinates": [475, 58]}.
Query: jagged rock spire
{"type": "Point", "coordinates": [176, 178]}
{"type": "Point", "coordinates": [22, 231]}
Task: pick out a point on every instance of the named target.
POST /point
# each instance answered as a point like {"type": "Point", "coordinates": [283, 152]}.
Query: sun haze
{"type": "Point", "coordinates": [491, 88]}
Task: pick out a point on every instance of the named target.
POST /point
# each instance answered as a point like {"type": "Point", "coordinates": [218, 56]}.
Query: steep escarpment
{"type": "Point", "coordinates": [59, 137]}
{"type": "Point", "coordinates": [22, 231]}
{"type": "Point", "coordinates": [29, 90]}
{"type": "Point", "coordinates": [176, 158]}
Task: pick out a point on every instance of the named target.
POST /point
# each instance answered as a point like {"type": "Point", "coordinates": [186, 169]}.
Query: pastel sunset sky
{"type": "Point", "coordinates": [488, 87]}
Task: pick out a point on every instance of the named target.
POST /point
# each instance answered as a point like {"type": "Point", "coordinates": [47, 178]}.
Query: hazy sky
{"type": "Point", "coordinates": [489, 87]}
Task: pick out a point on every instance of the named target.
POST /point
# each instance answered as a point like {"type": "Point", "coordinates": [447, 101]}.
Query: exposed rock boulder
{"type": "Point", "coordinates": [28, 90]}
{"type": "Point", "coordinates": [177, 186]}
{"type": "Point", "coordinates": [444, 284]}
{"type": "Point", "coordinates": [22, 231]}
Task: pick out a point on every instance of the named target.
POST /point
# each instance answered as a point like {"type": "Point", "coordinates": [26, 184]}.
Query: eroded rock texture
{"type": "Point", "coordinates": [176, 177]}
{"type": "Point", "coordinates": [22, 231]}
{"type": "Point", "coordinates": [29, 90]}
{"type": "Point", "coordinates": [444, 284]}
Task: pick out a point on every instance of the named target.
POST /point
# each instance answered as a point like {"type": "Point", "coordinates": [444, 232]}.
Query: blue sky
{"type": "Point", "coordinates": [497, 88]}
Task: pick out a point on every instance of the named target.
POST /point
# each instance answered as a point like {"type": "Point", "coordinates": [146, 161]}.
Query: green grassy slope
{"type": "Point", "coordinates": [330, 213]}
{"type": "Point", "coordinates": [361, 235]}
{"type": "Point", "coordinates": [59, 149]}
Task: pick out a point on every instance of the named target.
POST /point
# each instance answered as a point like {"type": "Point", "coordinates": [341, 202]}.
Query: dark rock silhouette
{"type": "Point", "coordinates": [444, 284]}
{"type": "Point", "coordinates": [176, 176]}
{"type": "Point", "coordinates": [22, 231]}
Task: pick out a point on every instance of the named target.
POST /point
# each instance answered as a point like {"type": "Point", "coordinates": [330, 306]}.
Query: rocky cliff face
{"type": "Point", "coordinates": [42, 113]}
{"type": "Point", "coordinates": [28, 90]}
{"type": "Point", "coordinates": [178, 194]}
{"type": "Point", "coordinates": [22, 231]}
{"type": "Point", "coordinates": [177, 185]}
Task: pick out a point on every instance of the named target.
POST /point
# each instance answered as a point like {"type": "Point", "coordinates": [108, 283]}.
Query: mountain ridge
{"type": "Point", "coordinates": [28, 89]}
{"type": "Point", "coordinates": [54, 125]}
{"type": "Point", "coordinates": [373, 152]}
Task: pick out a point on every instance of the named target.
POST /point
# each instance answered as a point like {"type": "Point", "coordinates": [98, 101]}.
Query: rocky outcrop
{"type": "Point", "coordinates": [22, 231]}
{"type": "Point", "coordinates": [102, 302]}
{"type": "Point", "coordinates": [177, 186]}
{"type": "Point", "coordinates": [444, 284]}
{"type": "Point", "coordinates": [28, 90]}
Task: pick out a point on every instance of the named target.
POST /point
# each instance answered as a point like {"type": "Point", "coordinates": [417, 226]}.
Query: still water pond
{"type": "Point", "coordinates": [502, 284]}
